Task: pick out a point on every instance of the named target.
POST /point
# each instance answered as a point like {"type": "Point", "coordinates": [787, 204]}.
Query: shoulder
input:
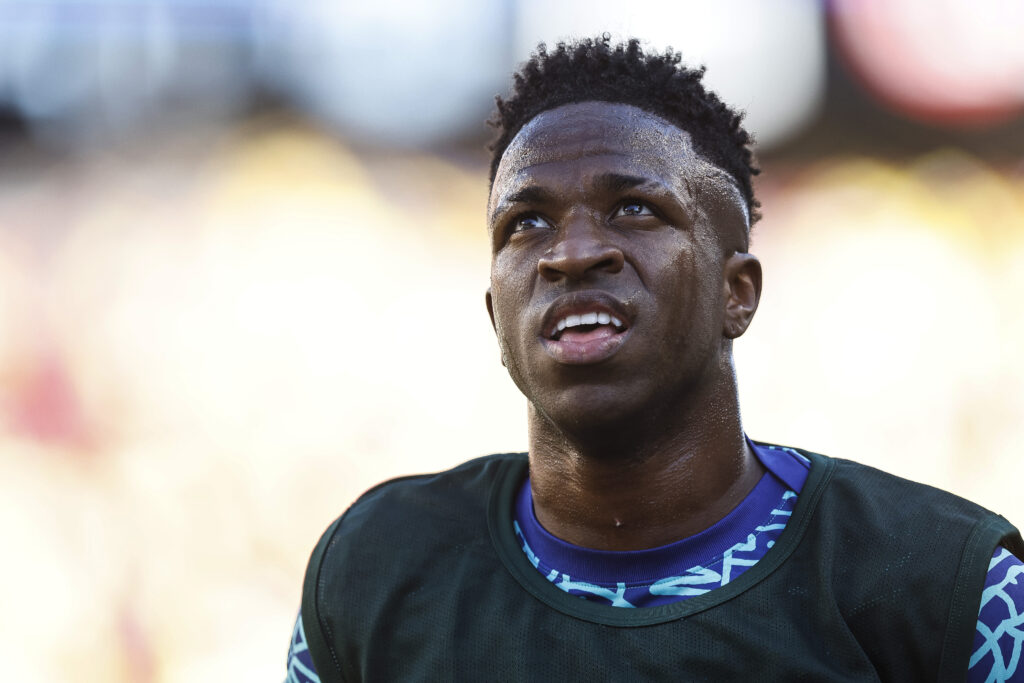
{"type": "Point", "coordinates": [386, 536]}
{"type": "Point", "coordinates": [431, 494]}
{"type": "Point", "coordinates": [906, 562]}
{"type": "Point", "coordinates": [880, 511]}
{"type": "Point", "coordinates": [850, 512]}
{"type": "Point", "coordinates": [870, 496]}
{"type": "Point", "coordinates": [412, 511]}
{"type": "Point", "coordinates": [405, 504]}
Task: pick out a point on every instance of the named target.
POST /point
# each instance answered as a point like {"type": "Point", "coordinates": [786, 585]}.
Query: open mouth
{"type": "Point", "coordinates": [585, 328]}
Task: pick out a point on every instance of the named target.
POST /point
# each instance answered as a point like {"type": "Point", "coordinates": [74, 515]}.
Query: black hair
{"type": "Point", "coordinates": [595, 70]}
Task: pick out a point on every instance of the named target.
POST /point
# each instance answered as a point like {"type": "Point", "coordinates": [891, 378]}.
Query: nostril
{"type": "Point", "coordinates": [613, 263]}
{"type": "Point", "coordinates": [576, 263]}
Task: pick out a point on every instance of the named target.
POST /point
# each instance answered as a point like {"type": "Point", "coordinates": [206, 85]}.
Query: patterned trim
{"type": "Point", "coordinates": [696, 580]}
{"type": "Point", "coordinates": [300, 662]}
{"type": "Point", "coordinates": [1000, 631]}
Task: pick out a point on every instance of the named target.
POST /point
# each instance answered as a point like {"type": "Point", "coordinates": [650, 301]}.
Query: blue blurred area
{"type": "Point", "coordinates": [87, 72]}
{"type": "Point", "coordinates": [388, 72]}
{"type": "Point", "coordinates": [402, 74]}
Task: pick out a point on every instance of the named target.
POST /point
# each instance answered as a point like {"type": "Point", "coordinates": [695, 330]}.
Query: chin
{"type": "Point", "coordinates": [590, 412]}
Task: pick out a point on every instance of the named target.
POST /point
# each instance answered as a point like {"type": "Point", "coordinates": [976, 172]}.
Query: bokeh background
{"type": "Point", "coordinates": [242, 265]}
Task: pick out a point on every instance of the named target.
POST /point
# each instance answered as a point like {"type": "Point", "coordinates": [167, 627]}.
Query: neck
{"type": "Point", "coordinates": [641, 484]}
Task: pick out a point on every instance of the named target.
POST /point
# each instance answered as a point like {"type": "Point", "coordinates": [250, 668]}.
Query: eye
{"type": "Point", "coordinates": [633, 208]}
{"type": "Point", "coordinates": [529, 221]}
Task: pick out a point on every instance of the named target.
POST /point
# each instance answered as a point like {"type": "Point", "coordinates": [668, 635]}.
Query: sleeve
{"type": "Point", "coordinates": [998, 640]}
{"type": "Point", "coordinates": [300, 662]}
{"type": "Point", "coordinates": [327, 668]}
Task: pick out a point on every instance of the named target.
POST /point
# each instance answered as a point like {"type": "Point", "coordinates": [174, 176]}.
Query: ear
{"type": "Point", "coordinates": [742, 283]}
{"type": "Point", "coordinates": [490, 312]}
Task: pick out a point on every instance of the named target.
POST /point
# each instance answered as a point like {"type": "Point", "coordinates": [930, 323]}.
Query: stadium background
{"type": "Point", "coordinates": [242, 264]}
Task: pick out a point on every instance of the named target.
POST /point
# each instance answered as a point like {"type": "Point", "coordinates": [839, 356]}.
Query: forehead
{"type": "Point", "coordinates": [576, 130]}
{"type": "Point", "coordinates": [638, 141]}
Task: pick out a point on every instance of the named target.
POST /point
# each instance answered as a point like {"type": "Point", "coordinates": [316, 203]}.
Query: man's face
{"type": "Point", "coordinates": [609, 286]}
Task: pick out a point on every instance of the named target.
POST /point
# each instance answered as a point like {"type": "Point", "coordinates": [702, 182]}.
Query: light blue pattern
{"type": "Point", "coordinates": [615, 597]}
{"type": "Point", "coordinates": [300, 663]}
{"type": "Point", "coordinates": [697, 580]}
{"type": "Point", "coordinates": [786, 449]}
{"type": "Point", "coordinates": [741, 556]}
{"type": "Point", "coordinates": [1003, 642]}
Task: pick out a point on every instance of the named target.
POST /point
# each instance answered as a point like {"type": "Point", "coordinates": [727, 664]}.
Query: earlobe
{"type": "Point", "coordinates": [742, 282]}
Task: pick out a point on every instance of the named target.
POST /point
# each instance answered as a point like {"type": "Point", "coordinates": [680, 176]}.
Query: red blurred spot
{"type": "Point", "coordinates": [940, 63]}
{"type": "Point", "coordinates": [46, 405]}
{"type": "Point", "coordinates": [138, 648]}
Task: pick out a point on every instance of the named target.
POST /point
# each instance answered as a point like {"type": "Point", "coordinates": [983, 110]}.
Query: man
{"type": "Point", "coordinates": [644, 535]}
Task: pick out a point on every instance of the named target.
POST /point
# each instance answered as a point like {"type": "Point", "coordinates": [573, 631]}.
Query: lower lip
{"type": "Point", "coordinates": [584, 352]}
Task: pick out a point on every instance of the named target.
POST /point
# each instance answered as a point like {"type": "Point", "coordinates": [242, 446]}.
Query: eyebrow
{"type": "Point", "coordinates": [617, 182]}
{"type": "Point", "coordinates": [605, 182]}
{"type": "Point", "coordinates": [528, 195]}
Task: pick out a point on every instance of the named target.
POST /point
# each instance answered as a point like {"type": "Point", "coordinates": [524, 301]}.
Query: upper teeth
{"type": "Point", "coordinates": [587, 319]}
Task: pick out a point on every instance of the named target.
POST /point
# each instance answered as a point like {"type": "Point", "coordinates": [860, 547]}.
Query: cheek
{"type": "Point", "coordinates": [512, 275]}
{"type": "Point", "coordinates": [688, 278]}
{"type": "Point", "coordinates": [511, 340]}
{"type": "Point", "coordinates": [676, 275]}
{"type": "Point", "coordinates": [507, 302]}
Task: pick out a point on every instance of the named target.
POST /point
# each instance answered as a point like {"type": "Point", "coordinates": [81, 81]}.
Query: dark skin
{"type": "Point", "coordinates": [634, 424]}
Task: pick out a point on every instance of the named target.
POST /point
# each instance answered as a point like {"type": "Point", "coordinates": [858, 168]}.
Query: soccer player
{"type": "Point", "coordinates": [645, 536]}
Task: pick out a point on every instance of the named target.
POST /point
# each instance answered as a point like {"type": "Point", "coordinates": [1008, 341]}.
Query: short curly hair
{"type": "Point", "coordinates": [595, 70]}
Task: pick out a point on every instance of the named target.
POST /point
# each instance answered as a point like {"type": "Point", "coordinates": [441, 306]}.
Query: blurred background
{"type": "Point", "coordinates": [243, 258]}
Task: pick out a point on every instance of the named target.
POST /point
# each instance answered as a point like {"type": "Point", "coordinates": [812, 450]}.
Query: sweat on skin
{"type": "Point", "coordinates": [635, 435]}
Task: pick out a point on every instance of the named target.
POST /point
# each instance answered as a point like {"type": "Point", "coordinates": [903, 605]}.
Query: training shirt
{"type": "Point", "coordinates": [719, 554]}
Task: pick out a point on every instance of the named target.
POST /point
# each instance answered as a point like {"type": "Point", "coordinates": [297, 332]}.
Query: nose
{"type": "Point", "coordinates": [580, 250]}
